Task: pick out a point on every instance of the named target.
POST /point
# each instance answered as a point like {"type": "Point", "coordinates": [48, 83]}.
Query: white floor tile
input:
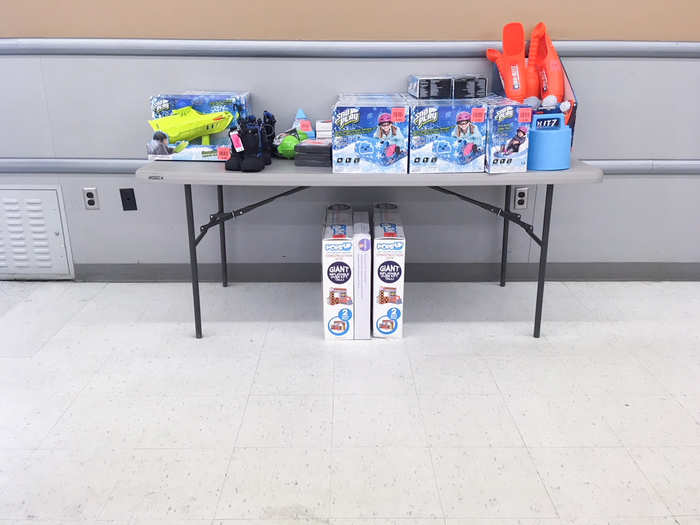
{"type": "Point", "coordinates": [167, 484]}
{"type": "Point", "coordinates": [452, 374]}
{"type": "Point", "coordinates": [26, 416]}
{"type": "Point", "coordinates": [490, 483]}
{"type": "Point", "coordinates": [294, 372]}
{"type": "Point", "coordinates": [378, 420]}
{"type": "Point", "coordinates": [675, 474]}
{"type": "Point", "coordinates": [287, 421]}
{"type": "Point", "coordinates": [383, 482]}
{"type": "Point", "coordinates": [61, 485]}
{"type": "Point", "coordinates": [560, 421]}
{"type": "Point", "coordinates": [469, 421]}
{"type": "Point", "coordinates": [528, 375]}
{"type": "Point", "coordinates": [651, 421]}
{"type": "Point", "coordinates": [276, 483]}
{"type": "Point", "coordinates": [596, 483]}
{"type": "Point", "coordinates": [367, 370]}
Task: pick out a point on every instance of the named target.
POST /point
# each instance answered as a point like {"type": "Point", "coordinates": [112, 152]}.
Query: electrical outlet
{"type": "Point", "coordinates": [520, 199]}
{"type": "Point", "coordinates": [90, 199]}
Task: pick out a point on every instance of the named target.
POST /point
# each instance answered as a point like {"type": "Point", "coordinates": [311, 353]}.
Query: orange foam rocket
{"type": "Point", "coordinates": [544, 60]}
{"type": "Point", "coordinates": [511, 62]}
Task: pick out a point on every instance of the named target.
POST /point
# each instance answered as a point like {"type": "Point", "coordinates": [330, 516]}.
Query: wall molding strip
{"type": "Point", "coordinates": [79, 166]}
{"type": "Point", "coordinates": [329, 49]}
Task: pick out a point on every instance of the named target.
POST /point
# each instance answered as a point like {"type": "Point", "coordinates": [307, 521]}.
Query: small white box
{"type": "Point", "coordinates": [337, 263]}
{"type": "Point", "coordinates": [362, 246]}
{"type": "Point", "coordinates": [388, 271]}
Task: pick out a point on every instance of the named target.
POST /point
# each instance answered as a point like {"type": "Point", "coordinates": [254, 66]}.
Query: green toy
{"type": "Point", "coordinates": [286, 142]}
{"type": "Point", "coordinates": [186, 124]}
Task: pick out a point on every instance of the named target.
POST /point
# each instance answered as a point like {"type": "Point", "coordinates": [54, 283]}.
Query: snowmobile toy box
{"type": "Point", "coordinates": [194, 125]}
{"type": "Point", "coordinates": [447, 136]}
{"type": "Point", "coordinates": [508, 128]}
{"type": "Point", "coordinates": [337, 277]}
{"type": "Point", "coordinates": [370, 133]}
{"type": "Point", "coordinates": [388, 271]}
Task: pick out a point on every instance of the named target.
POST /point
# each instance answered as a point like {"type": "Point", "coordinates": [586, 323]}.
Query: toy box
{"type": "Point", "coordinates": [337, 263]}
{"type": "Point", "coordinates": [194, 125]}
{"type": "Point", "coordinates": [508, 127]}
{"type": "Point", "coordinates": [447, 136]}
{"type": "Point", "coordinates": [388, 271]}
{"type": "Point", "coordinates": [430, 86]}
{"type": "Point", "coordinates": [362, 252]}
{"type": "Point", "coordinates": [370, 134]}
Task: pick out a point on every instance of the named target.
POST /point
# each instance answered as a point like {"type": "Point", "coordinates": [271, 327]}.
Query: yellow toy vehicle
{"type": "Point", "coordinates": [187, 124]}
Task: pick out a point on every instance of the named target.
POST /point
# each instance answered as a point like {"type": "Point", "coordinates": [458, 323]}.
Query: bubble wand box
{"type": "Point", "coordinates": [388, 271]}
{"type": "Point", "coordinates": [370, 134]}
{"type": "Point", "coordinates": [337, 264]}
{"type": "Point", "coordinates": [194, 125]}
{"type": "Point", "coordinates": [447, 136]}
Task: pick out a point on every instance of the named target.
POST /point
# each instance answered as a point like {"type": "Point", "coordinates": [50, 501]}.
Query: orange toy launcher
{"type": "Point", "coordinates": [568, 105]}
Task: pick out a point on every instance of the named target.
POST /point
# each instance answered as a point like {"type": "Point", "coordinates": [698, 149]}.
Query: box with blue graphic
{"type": "Point", "coordinates": [508, 124]}
{"type": "Point", "coordinates": [370, 133]}
{"type": "Point", "coordinates": [447, 136]}
{"type": "Point", "coordinates": [194, 125]}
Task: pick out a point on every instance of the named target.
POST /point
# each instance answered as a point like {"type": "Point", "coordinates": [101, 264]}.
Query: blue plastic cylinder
{"type": "Point", "coordinates": [550, 143]}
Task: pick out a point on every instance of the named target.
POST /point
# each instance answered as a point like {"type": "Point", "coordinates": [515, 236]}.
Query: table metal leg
{"type": "Point", "coordinates": [504, 249]}
{"type": "Point", "coordinates": [193, 262]}
{"type": "Point", "coordinates": [222, 236]}
{"type": "Point", "coordinates": [543, 258]}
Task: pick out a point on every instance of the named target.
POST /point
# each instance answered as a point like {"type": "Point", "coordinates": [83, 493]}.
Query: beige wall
{"type": "Point", "coordinates": [676, 20]}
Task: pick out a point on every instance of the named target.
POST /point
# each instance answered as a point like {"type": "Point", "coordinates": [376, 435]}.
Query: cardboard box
{"type": "Point", "coordinates": [362, 250]}
{"type": "Point", "coordinates": [194, 125]}
{"type": "Point", "coordinates": [370, 133]}
{"type": "Point", "coordinates": [508, 124]}
{"type": "Point", "coordinates": [337, 264]}
{"type": "Point", "coordinates": [388, 271]}
{"type": "Point", "coordinates": [430, 86]}
{"type": "Point", "coordinates": [447, 136]}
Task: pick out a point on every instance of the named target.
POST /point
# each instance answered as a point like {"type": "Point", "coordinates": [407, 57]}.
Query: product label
{"type": "Point", "coordinates": [305, 125]}
{"type": "Point", "coordinates": [478, 114]}
{"type": "Point", "coordinates": [524, 114]}
{"type": "Point", "coordinates": [223, 152]}
{"type": "Point", "coordinates": [398, 114]}
{"type": "Point", "coordinates": [236, 141]}
{"type": "Point", "coordinates": [338, 272]}
{"type": "Point", "coordinates": [389, 271]}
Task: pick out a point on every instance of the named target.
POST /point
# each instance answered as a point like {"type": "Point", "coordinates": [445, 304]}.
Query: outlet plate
{"type": "Point", "coordinates": [128, 199]}
{"type": "Point", "coordinates": [91, 199]}
{"type": "Point", "coordinates": [520, 200]}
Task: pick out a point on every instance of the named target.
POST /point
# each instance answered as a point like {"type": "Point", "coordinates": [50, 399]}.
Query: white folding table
{"type": "Point", "coordinates": [285, 173]}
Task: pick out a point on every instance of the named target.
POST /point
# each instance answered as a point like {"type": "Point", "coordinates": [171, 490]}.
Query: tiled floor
{"type": "Point", "coordinates": [111, 412]}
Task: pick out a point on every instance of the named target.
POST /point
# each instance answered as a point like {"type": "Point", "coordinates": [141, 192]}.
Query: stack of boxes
{"type": "Point", "coordinates": [362, 280]}
{"type": "Point", "coordinates": [395, 133]}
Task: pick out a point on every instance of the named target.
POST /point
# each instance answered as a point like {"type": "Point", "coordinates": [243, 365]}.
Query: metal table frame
{"type": "Point", "coordinates": [176, 173]}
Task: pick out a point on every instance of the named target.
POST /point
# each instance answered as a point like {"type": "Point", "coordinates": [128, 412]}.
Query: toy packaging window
{"type": "Point", "coordinates": [194, 125]}
{"type": "Point", "coordinates": [370, 133]}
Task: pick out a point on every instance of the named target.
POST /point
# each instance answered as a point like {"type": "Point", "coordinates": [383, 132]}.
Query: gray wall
{"type": "Point", "coordinates": [89, 106]}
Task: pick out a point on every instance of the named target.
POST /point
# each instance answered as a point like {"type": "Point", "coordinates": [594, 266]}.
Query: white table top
{"type": "Point", "coordinates": [285, 173]}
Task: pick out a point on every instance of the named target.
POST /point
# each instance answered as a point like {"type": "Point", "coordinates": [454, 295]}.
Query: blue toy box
{"type": "Point", "coordinates": [194, 125]}
{"type": "Point", "coordinates": [370, 133]}
{"type": "Point", "coordinates": [508, 128]}
{"type": "Point", "coordinates": [447, 136]}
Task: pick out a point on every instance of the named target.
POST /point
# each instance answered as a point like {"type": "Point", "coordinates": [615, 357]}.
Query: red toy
{"type": "Point", "coordinates": [544, 60]}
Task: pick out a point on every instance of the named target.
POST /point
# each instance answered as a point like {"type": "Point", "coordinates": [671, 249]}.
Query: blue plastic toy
{"type": "Point", "coordinates": [550, 143]}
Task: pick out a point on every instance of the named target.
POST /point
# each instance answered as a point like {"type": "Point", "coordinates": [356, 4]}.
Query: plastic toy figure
{"type": "Point", "coordinates": [516, 142]}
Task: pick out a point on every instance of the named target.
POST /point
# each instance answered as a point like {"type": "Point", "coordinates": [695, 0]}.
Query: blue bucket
{"type": "Point", "coordinates": [550, 143]}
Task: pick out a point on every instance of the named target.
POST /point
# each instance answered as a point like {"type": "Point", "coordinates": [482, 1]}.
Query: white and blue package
{"type": "Point", "coordinates": [447, 136]}
{"type": "Point", "coordinates": [370, 133]}
{"type": "Point", "coordinates": [507, 139]}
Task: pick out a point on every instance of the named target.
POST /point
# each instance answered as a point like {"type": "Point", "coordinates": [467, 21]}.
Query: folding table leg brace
{"type": "Point", "coordinates": [508, 217]}
{"type": "Point", "coordinates": [219, 218]}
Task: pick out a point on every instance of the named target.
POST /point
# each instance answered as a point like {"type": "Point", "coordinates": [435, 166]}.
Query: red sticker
{"type": "Point", "coordinates": [398, 114]}
{"type": "Point", "coordinates": [305, 125]}
{"type": "Point", "coordinates": [223, 152]}
{"type": "Point", "coordinates": [524, 114]}
{"type": "Point", "coordinates": [478, 114]}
